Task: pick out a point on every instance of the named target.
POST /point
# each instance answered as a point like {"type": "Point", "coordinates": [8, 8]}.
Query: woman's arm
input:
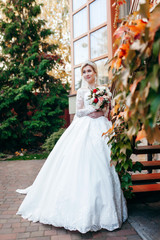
{"type": "Point", "coordinates": [96, 114]}
{"type": "Point", "coordinates": [80, 110]}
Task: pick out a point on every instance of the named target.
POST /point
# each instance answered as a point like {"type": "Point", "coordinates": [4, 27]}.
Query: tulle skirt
{"type": "Point", "coordinates": [77, 188]}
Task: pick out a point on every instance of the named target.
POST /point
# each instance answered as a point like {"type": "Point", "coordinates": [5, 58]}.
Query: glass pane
{"type": "Point", "coordinates": [77, 78]}
{"type": "Point", "coordinates": [124, 10]}
{"type": "Point", "coordinates": [80, 23]}
{"type": "Point", "coordinates": [98, 13]}
{"type": "Point", "coordinates": [81, 50]}
{"type": "Point", "coordinates": [99, 42]}
{"type": "Point", "coordinates": [102, 71]}
{"type": "Point", "coordinates": [78, 3]}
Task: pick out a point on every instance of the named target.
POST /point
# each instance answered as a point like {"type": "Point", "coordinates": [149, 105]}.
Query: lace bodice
{"type": "Point", "coordinates": [83, 107]}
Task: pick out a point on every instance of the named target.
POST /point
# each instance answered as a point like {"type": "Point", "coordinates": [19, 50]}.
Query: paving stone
{"type": "Point", "coordinates": [106, 233]}
{"type": "Point", "coordinates": [32, 228]}
{"type": "Point", "coordinates": [87, 235]}
{"type": "Point", "coordinates": [97, 235]}
{"type": "Point", "coordinates": [50, 232]}
{"type": "Point", "coordinates": [19, 230]}
{"type": "Point", "coordinates": [75, 235]}
{"type": "Point", "coordinates": [14, 176]}
{"type": "Point", "coordinates": [8, 236]}
{"type": "Point", "coordinates": [15, 225]}
{"type": "Point", "coordinates": [24, 235]}
{"type": "Point", "coordinates": [61, 231]}
{"type": "Point", "coordinates": [6, 230]}
{"type": "Point", "coordinates": [37, 234]}
{"type": "Point", "coordinates": [25, 224]}
{"type": "Point", "coordinates": [134, 237]}
{"type": "Point", "coordinates": [54, 238]}
{"type": "Point", "coordinates": [39, 238]}
{"type": "Point", "coordinates": [7, 225]}
{"type": "Point", "coordinates": [64, 237]}
{"type": "Point", "coordinates": [125, 232]}
{"type": "Point", "coordinates": [116, 238]}
{"type": "Point", "coordinates": [13, 220]}
{"type": "Point", "coordinates": [45, 227]}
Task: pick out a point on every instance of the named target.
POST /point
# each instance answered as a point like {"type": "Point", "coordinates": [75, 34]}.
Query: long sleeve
{"type": "Point", "coordinates": [81, 110]}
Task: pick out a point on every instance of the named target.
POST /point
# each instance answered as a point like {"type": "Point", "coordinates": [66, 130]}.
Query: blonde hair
{"type": "Point", "coordinates": [89, 63]}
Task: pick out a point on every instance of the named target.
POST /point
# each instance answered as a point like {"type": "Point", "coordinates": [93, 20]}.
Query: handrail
{"type": "Point", "coordinates": [135, 4]}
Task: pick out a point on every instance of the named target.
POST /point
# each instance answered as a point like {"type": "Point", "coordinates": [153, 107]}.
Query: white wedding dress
{"type": "Point", "coordinates": [77, 188]}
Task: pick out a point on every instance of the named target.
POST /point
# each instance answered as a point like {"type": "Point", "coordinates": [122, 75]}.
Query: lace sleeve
{"type": "Point", "coordinates": [81, 111]}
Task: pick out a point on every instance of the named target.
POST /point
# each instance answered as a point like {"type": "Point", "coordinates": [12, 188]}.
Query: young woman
{"type": "Point", "coordinates": [77, 188]}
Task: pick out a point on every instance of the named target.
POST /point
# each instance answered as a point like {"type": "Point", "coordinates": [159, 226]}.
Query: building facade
{"type": "Point", "coordinates": [91, 39]}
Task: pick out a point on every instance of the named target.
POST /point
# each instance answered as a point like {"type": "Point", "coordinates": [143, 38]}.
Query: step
{"type": "Point", "coordinates": [148, 149]}
{"type": "Point", "coordinates": [150, 164]}
{"type": "Point", "coordinates": [146, 188]}
{"type": "Point", "coordinates": [146, 177]}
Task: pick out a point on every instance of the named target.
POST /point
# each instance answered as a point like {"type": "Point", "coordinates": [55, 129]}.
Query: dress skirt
{"type": "Point", "coordinates": [77, 188]}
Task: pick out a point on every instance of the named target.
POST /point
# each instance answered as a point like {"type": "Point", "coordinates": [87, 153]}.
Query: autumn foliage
{"type": "Point", "coordinates": [136, 72]}
{"type": "Point", "coordinates": [136, 81]}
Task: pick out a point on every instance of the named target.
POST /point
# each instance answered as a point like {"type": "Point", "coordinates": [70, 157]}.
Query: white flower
{"type": "Point", "coordinates": [97, 106]}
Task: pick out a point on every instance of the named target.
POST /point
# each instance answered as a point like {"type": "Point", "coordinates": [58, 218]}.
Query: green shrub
{"type": "Point", "coordinates": [2, 155]}
{"type": "Point", "coordinates": [51, 141]}
{"type": "Point", "coordinates": [32, 101]}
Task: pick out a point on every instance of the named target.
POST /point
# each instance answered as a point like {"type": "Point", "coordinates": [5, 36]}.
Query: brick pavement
{"type": "Point", "coordinates": [20, 174]}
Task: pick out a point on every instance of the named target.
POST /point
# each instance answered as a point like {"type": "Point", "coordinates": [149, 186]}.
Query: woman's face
{"type": "Point", "coordinates": [89, 74]}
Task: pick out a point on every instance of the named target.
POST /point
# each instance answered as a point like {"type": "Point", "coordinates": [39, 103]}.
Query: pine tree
{"type": "Point", "coordinates": [31, 100]}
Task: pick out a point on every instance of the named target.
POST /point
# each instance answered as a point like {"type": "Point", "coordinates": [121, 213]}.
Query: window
{"type": "Point", "coordinates": [78, 3]}
{"type": "Point", "coordinates": [100, 16]}
{"type": "Point", "coordinates": [124, 10]}
{"type": "Point", "coordinates": [99, 42]}
{"type": "Point", "coordinates": [90, 37]}
{"type": "Point", "coordinates": [102, 71]}
{"type": "Point", "coordinates": [81, 50]}
{"type": "Point", "coordinates": [80, 23]}
{"type": "Point", "coordinates": [77, 77]}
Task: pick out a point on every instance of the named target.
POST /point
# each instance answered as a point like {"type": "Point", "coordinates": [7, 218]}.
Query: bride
{"type": "Point", "coordinates": [77, 188]}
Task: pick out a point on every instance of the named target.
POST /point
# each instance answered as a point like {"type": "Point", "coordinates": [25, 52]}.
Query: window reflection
{"type": "Point", "coordinates": [98, 13]}
{"type": "Point", "coordinates": [124, 10]}
{"type": "Point", "coordinates": [78, 3]}
{"type": "Point", "coordinates": [80, 22]}
{"type": "Point", "coordinates": [102, 71]}
{"type": "Point", "coordinates": [77, 77]}
{"type": "Point", "coordinates": [99, 43]}
{"type": "Point", "coordinates": [81, 50]}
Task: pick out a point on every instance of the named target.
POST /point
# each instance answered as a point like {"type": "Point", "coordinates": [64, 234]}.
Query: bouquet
{"type": "Point", "coordinates": [100, 98]}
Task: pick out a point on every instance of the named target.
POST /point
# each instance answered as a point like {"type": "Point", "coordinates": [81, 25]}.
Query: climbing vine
{"type": "Point", "coordinates": [136, 80]}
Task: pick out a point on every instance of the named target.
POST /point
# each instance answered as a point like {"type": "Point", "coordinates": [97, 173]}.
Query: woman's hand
{"type": "Point", "coordinates": [96, 114]}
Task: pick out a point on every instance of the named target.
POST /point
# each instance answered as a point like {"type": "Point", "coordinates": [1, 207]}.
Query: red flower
{"type": "Point", "coordinates": [12, 110]}
{"type": "Point", "coordinates": [94, 90]}
{"type": "Point", "coordinates": [95, 100]}
{"type": "Point", "coordinates": [29, 113]}
{"type": "Point", "coordinates": [121, 2]}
